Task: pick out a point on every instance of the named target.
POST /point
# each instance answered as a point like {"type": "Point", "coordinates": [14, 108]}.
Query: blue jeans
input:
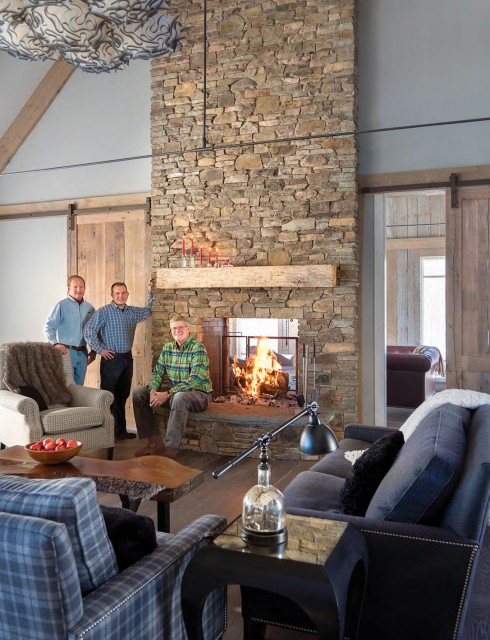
{"type": "Point", "coordinates": [79, 364]}
{"type": "Point", "coordinates": [116, 376]}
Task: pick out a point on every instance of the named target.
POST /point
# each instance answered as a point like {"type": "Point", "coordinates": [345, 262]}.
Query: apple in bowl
{"type": "Point", "coordinates": [53, 451]}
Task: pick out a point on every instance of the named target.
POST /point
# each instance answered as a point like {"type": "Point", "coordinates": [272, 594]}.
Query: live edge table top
{"type": "Point", "coordinates": [148, 477]}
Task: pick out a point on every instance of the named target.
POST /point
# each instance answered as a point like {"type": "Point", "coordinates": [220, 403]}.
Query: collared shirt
{"type": "Point", "coordinates": [185, 367]}
{"type": "Point", "coordinates": [66, 322]}
{"type": "Point", "coordinates": [113, 328]}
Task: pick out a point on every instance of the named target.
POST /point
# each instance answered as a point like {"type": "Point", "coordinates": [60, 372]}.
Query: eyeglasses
{"type": "Point", "coordinates": [178, 329]}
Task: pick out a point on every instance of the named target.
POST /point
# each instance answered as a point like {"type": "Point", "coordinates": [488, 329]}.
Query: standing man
{"type": "Point", "coordinates": [110, 332]}
{"type": "Point", "coordinates": [65, 324]}
{"type": "Point", "coordinates": [183, 367]}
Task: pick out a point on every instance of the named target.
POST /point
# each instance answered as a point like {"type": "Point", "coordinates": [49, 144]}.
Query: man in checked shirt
{"type": "Point", "coordinates": [183, 370]}
{"type": "Point", "coordinates": [110, 332]}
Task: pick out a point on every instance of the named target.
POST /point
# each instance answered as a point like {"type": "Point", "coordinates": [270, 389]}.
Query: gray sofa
{"type": "Point", "coordinates": [426, 526]}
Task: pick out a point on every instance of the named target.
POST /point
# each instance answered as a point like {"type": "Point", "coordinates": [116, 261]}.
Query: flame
{"type": "Point", "coordinates": [263, 368]}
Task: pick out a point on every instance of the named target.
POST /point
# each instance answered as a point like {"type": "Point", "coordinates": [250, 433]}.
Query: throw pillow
{"type": "Point", "coordinates": [132, 535]}
{"type": "Point", "coordinates": [367, 473]}
{"type": "Point", "coordinates": [419, 483]}
{"type": "Point", "coordinates": [32, 392]}
{"type": "Point", "coordinates": [73, 502]}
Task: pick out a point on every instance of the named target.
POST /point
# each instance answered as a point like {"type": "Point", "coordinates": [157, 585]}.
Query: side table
{"type": "Point", "coordinates": [322, 568]}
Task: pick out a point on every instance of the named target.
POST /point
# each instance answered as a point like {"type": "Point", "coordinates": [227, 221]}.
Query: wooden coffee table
{"type": "Point", "coordinates": [147, 478]}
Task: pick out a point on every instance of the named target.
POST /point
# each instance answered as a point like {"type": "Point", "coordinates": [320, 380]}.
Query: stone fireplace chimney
{"type": "Point", "coordinates": [274, 189]}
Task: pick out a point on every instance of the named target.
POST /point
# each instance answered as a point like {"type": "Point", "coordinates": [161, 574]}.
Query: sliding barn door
{"type": "Point", "coordinates": [112, 247]}
{"type": "Point", "coordinates": [468, 282]}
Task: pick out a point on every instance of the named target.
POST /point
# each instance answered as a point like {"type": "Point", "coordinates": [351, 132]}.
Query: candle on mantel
{"type": "Point", "coordinates": [216, 261]}
{"type": "Point", "coordinates": [200, 256]}
{"type": "Point", "coordinates": [192, 245]}
{"type": "Point", "coordinates": [209, 256]}
{"type": "Point", "coordinates": [183, 246]}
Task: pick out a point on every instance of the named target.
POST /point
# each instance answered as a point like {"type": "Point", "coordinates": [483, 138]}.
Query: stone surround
{"type": "Point", "coordinates": [275, 70]}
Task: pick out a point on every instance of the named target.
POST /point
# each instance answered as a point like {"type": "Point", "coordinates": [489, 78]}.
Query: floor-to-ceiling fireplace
{"type": "Point", "coordinates": [274, 190]}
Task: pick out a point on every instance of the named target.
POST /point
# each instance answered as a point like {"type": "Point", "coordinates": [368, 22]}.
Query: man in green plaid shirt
{"type": "Point", "coordinates": [182, 369]}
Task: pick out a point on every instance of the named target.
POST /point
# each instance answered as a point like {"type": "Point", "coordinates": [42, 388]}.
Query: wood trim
{"type": "Point", "coordinates": [322, 276]}
{"type": "Point", "coordinates": [33, 110]}
{"type": "Point", "coordinates": [96, 202]}
{"type": "Point", "coordinates": [394, 244]}
{"type": "Point", "coordinates": [425, 176]}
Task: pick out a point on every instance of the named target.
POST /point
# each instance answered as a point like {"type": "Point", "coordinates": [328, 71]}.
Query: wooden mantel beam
{"type": "Point", "coordinates": [33, 110]}
{"type": "Point", "coordinates": [322, 276]}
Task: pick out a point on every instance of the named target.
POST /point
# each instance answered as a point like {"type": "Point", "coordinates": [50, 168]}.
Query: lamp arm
{"type": "Point", "coordinates": [312, 408]}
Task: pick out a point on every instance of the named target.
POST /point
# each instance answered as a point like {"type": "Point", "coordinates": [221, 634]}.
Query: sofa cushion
{"type": "Point", "coordinates": [316, 491]}
{"type": "Point", "coordinates": [72, 501]}
{"type": "Point", "coordinates": [420, 481]}
{"type": "Point", "coordinates": [68, 419]}
{"type": "Point", "coordinates": [336, 463]}
{"type": "Point", "coordinates": [131, 534]}
{"type": "Point", "coordinates": [367, 473]}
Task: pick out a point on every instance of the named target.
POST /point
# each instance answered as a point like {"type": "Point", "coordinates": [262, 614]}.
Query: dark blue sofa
{"type": "Point", "coordinates": [426, 527]}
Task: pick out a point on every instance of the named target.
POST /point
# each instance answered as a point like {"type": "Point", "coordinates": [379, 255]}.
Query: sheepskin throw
{"type": "Point", "coordinates": [38, 365]}
{"type": "Point", "coordinates": [465, 398]}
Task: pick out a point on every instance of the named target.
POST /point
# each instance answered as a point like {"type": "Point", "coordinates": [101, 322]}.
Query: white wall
{"type": "Point", "coordinates": [423, 61]}
{"type": "Point", "coordinates": [33, 259]}
{"type": "Point", "coordinates": [96, 117]}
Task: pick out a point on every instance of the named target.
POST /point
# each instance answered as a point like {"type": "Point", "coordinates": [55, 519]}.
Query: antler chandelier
{"type": "Point", "coordinates": [93, 35]}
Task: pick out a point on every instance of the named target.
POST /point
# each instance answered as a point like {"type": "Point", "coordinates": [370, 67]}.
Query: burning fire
{"type": "Point", "coordinates": [260, 373]}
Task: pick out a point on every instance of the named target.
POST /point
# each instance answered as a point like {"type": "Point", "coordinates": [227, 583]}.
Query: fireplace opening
{"type": "Point", "coordinates": [260, 358]}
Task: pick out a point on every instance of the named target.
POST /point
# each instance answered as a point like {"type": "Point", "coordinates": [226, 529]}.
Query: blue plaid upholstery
{"type": "Point", "coordinates": [40, 595]}
{"type": "Point", "coordinates": [36, 601]}
{"type": "Point", "coordinates": [72, 501]}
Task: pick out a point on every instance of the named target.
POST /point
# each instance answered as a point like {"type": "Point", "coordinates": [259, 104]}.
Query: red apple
{"type": "Point", "coordinates": [60, 447]}
{"type": "Point", "coordinates": [50, 446]}
{"type": "Point", "coordinates": [47, 441]}
{"type": "Point", "coordinates": [71, 444]}
{"type": "Point", "coordinates": [60, 441]}
{"type": "Point", "coordinates": [37, 446]}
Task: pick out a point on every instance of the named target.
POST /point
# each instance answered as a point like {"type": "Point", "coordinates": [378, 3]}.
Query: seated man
{"type": "Point", "coordinates": [183, 367]}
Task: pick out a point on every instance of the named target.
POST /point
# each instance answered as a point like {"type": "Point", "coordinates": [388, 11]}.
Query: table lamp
{"type": "Point", "coordinates": [264, 508]}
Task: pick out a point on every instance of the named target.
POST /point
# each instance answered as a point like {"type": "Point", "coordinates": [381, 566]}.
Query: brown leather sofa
{"type": "Point", "coordinates": [411, 377]}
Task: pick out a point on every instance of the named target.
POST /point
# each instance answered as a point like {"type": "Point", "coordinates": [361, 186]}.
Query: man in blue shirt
{"type": "Point", "coordinates": [110, 332]}
{"type": "Point", "coordinates": [65, 324]}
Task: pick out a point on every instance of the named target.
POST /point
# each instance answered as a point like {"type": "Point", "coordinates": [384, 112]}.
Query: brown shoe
{"type": "Point", "coordinates": [171, 453]}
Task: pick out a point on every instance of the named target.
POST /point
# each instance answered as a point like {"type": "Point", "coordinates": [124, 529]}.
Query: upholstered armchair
{"type": "Point", "coordinates": [84, 415]}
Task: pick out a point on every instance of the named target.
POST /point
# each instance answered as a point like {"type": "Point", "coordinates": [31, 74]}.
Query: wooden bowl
{"type": "Point", "coordinates": [53, 457]}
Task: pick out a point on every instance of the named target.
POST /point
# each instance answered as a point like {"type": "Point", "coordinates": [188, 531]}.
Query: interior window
{"type": "Point", "coordinates": [433, 302]}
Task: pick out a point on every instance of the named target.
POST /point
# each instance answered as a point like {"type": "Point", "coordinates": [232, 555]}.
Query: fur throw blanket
{"type": "Point", "coordinates": [38, 365]}
{"type": "Point", "coordinates": [460, 397]}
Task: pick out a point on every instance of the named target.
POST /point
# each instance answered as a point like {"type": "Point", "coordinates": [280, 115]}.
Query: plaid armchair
{"type": "Point", "coordinates": [59, 577]}
{"type": "Point", "coordinates": [86, 417]}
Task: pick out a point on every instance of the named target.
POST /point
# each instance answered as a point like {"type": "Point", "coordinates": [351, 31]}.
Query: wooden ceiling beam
{"type": "Point", "coordinates": [33, 110]}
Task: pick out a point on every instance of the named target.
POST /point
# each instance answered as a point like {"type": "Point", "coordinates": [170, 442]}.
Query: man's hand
{"type": "Point", "coordinates": [107, 354]}
{"type": "Point", "coordinates": [91, 356]}
{"type": "Point", "coordinates": [157, 398]}
{"type": "Point", "coordinates": [61, 348]}
{"type": "Point", "coordinates": [149, 286]}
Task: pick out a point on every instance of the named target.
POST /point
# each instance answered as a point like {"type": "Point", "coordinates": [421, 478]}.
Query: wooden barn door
{"type": "Point", "coordinates": [468, 282]}
{"type": "Point", "coordinates": [110, 247]}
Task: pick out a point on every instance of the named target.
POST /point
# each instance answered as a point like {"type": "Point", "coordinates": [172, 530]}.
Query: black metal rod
{"type": "Point", "coordinates": [259, 442]}
{"type": "Point", "coordinates": [205, 65]}
{"type": "Point", "coordinates": [248, 143]}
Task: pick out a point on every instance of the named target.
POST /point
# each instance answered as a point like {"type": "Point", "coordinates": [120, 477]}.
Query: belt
{"type": "Point", "coordinates": [69, 346]}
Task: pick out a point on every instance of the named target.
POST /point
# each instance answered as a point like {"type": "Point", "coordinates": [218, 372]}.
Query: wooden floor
{"type": "Point", "coordinates": [224, 497]}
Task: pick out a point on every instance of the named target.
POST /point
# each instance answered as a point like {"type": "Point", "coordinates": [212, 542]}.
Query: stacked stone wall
{"type": "Point", "coordinates": [275, 189]}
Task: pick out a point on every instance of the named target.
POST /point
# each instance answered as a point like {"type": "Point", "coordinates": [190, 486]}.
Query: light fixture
{"type": "Point", "coordinates": [264, 508]}
{"type": "Point", "coordinates": [93, 35]}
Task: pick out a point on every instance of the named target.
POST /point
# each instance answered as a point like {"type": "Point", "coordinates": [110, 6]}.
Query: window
{"type": "Point", "coordinates": [433, 302]}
